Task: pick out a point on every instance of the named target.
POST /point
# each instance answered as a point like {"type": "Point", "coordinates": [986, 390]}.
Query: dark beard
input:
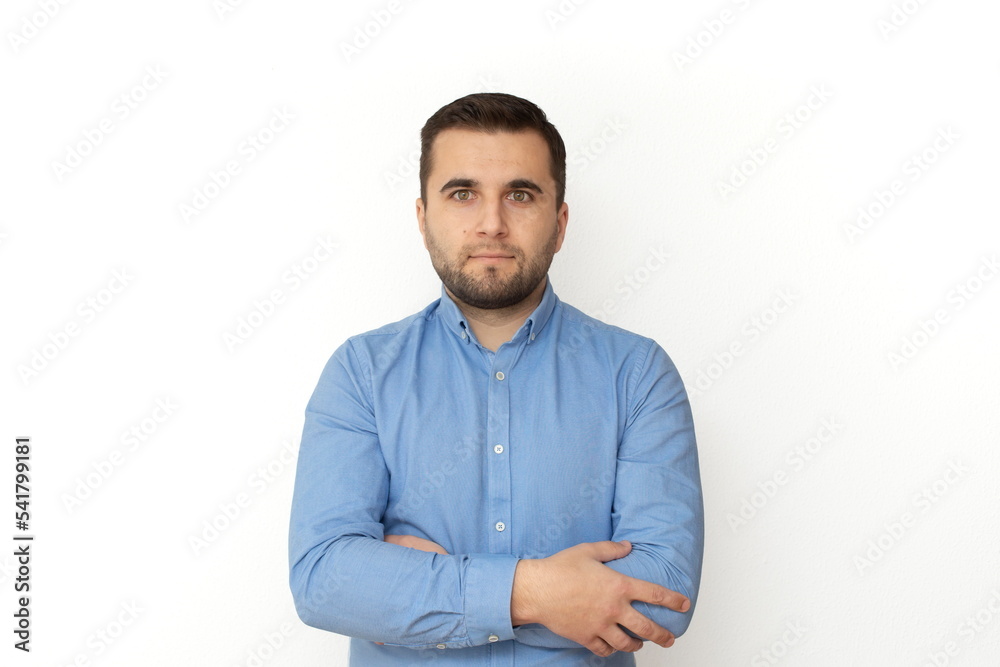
{"type": "Point", "coordinates": [492, 292]}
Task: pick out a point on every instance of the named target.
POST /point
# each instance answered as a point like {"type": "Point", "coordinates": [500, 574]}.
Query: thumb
{"type": "Point", "coordinates": [608, 550]}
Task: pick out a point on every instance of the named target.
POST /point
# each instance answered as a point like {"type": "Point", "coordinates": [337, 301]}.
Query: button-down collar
{"type": "Point", "coordinates": [454, 318]}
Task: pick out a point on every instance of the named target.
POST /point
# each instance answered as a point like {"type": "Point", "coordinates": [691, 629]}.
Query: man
{"type": "Point", "coordinates": [498, 479]}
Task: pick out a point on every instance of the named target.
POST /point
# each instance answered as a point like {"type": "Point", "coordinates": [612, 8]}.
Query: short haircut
{"type": "Point", "coordinates": [494, 112]}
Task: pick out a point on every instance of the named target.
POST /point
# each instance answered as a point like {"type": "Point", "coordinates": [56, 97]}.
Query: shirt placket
{"type": "Point", "coordinates": [497, 450]}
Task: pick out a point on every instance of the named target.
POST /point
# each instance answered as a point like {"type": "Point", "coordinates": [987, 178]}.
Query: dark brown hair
{"type": "Point", "coordinates": [494, 112]}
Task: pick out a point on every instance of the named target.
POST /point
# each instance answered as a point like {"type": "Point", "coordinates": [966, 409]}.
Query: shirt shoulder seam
{"type": "Point", "coordinates": [393, 328]}
{"type": "Point", "coordinates": [364, 369]}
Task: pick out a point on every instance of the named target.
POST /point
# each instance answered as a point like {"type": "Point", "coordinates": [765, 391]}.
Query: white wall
{"type": "Point", "coordinates": [794, 558]}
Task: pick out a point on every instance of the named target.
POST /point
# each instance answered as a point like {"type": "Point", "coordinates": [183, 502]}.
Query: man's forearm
{"type": "Point", "coordinates": [366, 588]}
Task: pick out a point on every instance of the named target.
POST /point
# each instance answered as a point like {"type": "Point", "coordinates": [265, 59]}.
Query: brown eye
{"type": "Point", "coordinates": [520, 196]}
{"type": "Point", "coordinates": [462, 195]}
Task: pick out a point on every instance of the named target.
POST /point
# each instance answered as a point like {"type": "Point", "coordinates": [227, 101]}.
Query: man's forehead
{"type": "Point", "coordinates": [461, 152]}
{"type": "Point", "coordinates": [468, 140]}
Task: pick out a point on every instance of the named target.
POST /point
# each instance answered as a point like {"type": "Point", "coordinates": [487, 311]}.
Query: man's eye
{"type": "Point", "coordinates": [520, 196]}
{"type": "Point", "coordinates": [462, 195]}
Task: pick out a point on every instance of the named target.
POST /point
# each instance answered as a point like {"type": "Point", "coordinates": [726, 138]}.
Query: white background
{"type": "Point", "coordinates": [846, 550]}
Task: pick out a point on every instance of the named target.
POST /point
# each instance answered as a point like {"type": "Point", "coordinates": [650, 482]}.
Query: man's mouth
{"type": "Point", "coordinates": [491, 258]}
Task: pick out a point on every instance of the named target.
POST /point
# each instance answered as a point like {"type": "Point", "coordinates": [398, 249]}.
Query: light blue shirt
{"type": "Point", "coordinates": [573, 431]}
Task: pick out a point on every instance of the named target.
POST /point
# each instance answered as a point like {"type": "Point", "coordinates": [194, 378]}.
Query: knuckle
{"type": "Point", "coordinates": [644, 628]}
{"type": "Point", "coordinates": [620, 586]}
{"type": "Point", "coordinates": [619, 640]}
{"type": "Point", "coordinates": [600, 648]}
{"type": "Point", "coordinates": [629, 645]}
{"type": "Point", "coordinates": [609, 611]}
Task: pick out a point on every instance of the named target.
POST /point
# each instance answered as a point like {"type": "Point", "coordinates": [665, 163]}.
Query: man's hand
{"type": "Point", "coordinates": [575, 595]}
{"type": "Point", "coordinates": [417, 543]}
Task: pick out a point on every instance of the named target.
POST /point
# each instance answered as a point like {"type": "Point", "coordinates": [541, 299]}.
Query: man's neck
{"type": "Point", "coordinates": [494, 327]}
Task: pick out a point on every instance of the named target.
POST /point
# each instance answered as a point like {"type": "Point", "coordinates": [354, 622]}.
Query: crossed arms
{"type": "Point", "coordinates": [348, 577]}
{"type": "Point", "coordinates": [572, 594]}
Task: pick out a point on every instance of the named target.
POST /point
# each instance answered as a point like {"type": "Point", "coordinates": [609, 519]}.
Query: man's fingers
{"type": "Point", "coordinates": [600, 648]}
{"type": "Point", "coordinates": [619, 641]}
{"type": "Point", "coordinates": [658, 595]}
{"type": "Point", "coordinates": [647, 629]}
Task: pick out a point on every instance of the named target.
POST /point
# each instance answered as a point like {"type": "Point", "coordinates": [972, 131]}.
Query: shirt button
{"type": "Point", "coordinates": [494, 638]}
{"type": "Point", "coordinates": [500, 526]}
{"type": "Point", "coordinates": [463, 335]}
{"type": "Point", "coordinates": [532, 336]}
{"type": "Point", "coordinates": [499, 375]}
{"type": "Point", "coordinates": [442, 645]}
{"type": "Point", "coordinates": [498, 449]}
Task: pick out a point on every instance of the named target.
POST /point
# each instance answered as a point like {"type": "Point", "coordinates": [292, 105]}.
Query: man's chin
{"type": "Point", "coordinates": [488, 281]}
{"type": "Point", "coordinates": [485, 299]}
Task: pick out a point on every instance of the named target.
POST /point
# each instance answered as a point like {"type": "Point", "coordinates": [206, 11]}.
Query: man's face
{"type": "Point", "coordinates": [490, 220]}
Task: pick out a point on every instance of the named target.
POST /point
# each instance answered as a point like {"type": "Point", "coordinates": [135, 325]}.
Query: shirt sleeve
{"type": "Point", "coordinates": [658, 499]}
{"type": "Point", "coordinates": [658, 503]}
{"type": "Point", "coordinates": [344, 578]}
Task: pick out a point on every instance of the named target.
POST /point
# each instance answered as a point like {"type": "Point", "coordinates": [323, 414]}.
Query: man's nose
{"type": "Point", "coordinates": [492, 220]}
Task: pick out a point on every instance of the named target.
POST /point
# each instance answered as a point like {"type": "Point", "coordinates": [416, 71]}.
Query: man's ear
{"type": "Point", "coordinates": [422, 221]}
{"type": "Point", "coordinates": [562, 219]}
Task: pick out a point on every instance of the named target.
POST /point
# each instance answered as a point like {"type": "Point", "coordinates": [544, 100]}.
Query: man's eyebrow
{"type": "Point", "coordinates": [524, 184]}
{"type": "Point", "coordinates": [516, 184]}
{"type": "Point", "coordinates": [459, 183]}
